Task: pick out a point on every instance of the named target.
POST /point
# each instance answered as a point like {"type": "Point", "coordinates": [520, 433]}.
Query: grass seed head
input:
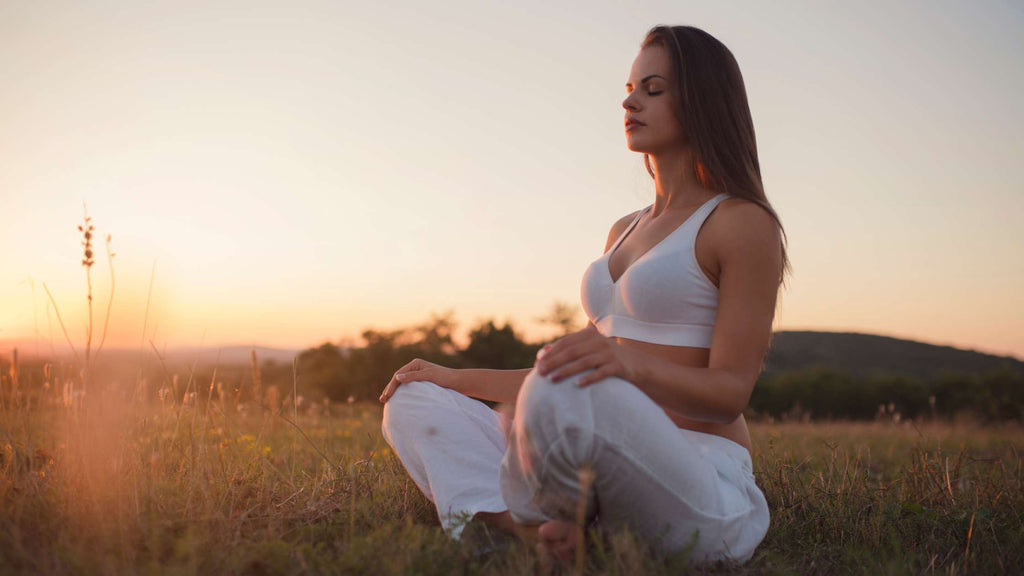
{"type": "Point", "coordinates": [87, 229]}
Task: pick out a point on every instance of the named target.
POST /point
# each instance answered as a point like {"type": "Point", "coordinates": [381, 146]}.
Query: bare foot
{"type": "Point", "coordinates": [559, 539]}
{"type": "Point", "coordinates": [503, 521]}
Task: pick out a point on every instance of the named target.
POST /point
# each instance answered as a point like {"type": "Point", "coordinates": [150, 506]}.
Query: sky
{"type": "Point", "coordinates": [285, 174]}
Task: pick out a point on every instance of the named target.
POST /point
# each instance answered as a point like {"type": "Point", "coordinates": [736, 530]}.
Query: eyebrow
{"type": "Point", "coordinates": [648, 77]}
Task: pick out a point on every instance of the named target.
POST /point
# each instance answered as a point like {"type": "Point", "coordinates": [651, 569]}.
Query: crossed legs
{"type": "Point", "coordinates": [605, 449]}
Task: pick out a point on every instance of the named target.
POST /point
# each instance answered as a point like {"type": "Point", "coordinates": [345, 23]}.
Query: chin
{"type": "Point", "coordinates": [637, 145]}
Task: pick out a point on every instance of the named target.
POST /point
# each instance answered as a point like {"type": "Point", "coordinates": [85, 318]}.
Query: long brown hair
{"type": "Point", "coordinates": [712, 107]}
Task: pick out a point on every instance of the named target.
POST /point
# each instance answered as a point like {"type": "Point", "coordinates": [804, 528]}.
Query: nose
{"type": "Point", "coordinates": [628, 103]}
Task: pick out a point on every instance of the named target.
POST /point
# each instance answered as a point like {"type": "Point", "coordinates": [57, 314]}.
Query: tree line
{"type": "Point", "coordinates": [358, 373]}
{"type": "Point", "coordinates": [816, 393]}
{"type": "Point", "coordinates": [362, 372]}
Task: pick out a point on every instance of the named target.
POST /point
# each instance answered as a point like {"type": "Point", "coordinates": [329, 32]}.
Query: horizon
{"type": "Point", "coordinates": [26, 350]}
{"type": "Point", "coordinates": [293, 175]}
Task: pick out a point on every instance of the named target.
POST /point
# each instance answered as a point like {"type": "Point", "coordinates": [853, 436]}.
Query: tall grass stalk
{"type": "Point", "coordinates": [86, 229]}
{"type": "Point", "coordinates": [110, 297]}
{"type": "Point", "coordinates": [60, 321]}
{"type": "Point", "coordinates": [145, 324]}
{"type": "Point", "coordinates": [87, 261]}
{"type": "Point", "coordinates": [587, 477]}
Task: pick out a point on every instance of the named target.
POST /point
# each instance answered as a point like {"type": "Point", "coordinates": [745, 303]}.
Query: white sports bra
{"type": "Point", "coordinates": [663, 297]}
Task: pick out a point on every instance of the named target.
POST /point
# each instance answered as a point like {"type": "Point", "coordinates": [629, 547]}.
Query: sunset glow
{"type": "Point", "coordinates": [296, 175]}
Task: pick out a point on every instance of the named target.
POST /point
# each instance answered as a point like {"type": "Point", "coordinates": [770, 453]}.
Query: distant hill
{"type": "Point", "coordinates": [866, 354]}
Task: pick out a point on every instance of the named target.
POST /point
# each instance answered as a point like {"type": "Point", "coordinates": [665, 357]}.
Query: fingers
{"type": "Point", "coordinates": [549, 358]}
{"type": "Point", "coordinates": [557, 356]}
{"type": "Point", "coordinates": [559, 365]}
{"type": "Point", "coordinates": [601, 373]}
{"type": "Point", "coordinates": [412, 376]}
{"type": "Point", "coordinates": [401, 375]}
{"type": "Point", "coordinates": [576, 366]}
{"type": "Point", "coordinates": [584, 337]}
{"type": "Point", "coordinates": [389, 390]}
{"type": "Point", "coordinates": [544, 350]}
{"type": "Point", "coordinates": [392, 385]}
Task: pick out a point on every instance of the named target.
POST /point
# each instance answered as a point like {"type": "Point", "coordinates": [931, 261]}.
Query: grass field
{"type": "Point", "coordinates": [127, 489]}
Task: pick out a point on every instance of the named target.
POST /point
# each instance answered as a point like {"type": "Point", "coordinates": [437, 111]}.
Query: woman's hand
{"type": "Point", "coordinates": [586, 349]}
{"type": "Point", "coordinates": [420, 369]}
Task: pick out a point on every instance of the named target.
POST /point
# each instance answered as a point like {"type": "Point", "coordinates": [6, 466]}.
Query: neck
{"type": "Point", "coordinates": [675, 182]}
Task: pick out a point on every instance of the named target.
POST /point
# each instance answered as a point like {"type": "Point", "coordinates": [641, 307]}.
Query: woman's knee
{"type": "Point", "coordinates": [411, 402]}
{"type": "Point", "coordinates": [547, 408]}
{"type": "Point", "coordinates": [537, 399]}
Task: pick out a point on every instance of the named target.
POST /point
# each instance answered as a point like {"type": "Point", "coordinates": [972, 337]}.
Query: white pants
{"type": "Point", "coordinates": [674, 487]}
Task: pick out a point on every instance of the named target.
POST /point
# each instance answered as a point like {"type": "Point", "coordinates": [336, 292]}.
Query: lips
{"type": "Point", "coordinates": [632, 123]}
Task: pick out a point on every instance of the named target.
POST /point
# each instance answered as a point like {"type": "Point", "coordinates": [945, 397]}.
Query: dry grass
{"type": "Point", "coordinates": [882, 498]}
{"type": "Point", "coordinates": [124, 487]}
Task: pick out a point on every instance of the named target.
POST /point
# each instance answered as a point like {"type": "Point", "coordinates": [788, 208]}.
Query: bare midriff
{"type": "Point", "coordinates": [696, 358]}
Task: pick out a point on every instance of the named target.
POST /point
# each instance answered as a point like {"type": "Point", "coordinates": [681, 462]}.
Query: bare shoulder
{"type": "Point", "coordinates": [618, 228]}
{"type": "Point", "coordinates": [739, 224]}
{"type": "Point", "coordinates": [744, 234]}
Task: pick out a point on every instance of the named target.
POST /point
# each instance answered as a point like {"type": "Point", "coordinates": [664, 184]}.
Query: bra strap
{"type": "Point", "coordinates": [627, 230]}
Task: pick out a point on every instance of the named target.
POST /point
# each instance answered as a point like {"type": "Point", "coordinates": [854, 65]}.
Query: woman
{"type": "Point", "coordinates": [636, 420]}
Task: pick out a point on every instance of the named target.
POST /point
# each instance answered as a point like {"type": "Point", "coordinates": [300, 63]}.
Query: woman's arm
{"type": "Point", "coordinates": [748, 249]}
{"type": "Point", "coordinates": [496, 385]}
{"type": "Point", "coordinates": [493, 385]}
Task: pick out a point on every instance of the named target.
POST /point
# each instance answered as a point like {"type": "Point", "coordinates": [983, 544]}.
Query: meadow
{"type": "Point", "coordinates": [126, 485]}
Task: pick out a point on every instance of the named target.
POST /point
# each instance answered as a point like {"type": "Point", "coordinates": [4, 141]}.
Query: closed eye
{"type": "Point", "coordinates": [646, 81]}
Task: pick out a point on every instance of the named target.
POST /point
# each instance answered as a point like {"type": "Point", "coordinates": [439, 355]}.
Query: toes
{"type": "Point", "coordinates": [558, 539]}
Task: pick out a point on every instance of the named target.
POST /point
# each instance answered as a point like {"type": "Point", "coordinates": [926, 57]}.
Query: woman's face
{"type": "Point", "coordinates": [651, 122]}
